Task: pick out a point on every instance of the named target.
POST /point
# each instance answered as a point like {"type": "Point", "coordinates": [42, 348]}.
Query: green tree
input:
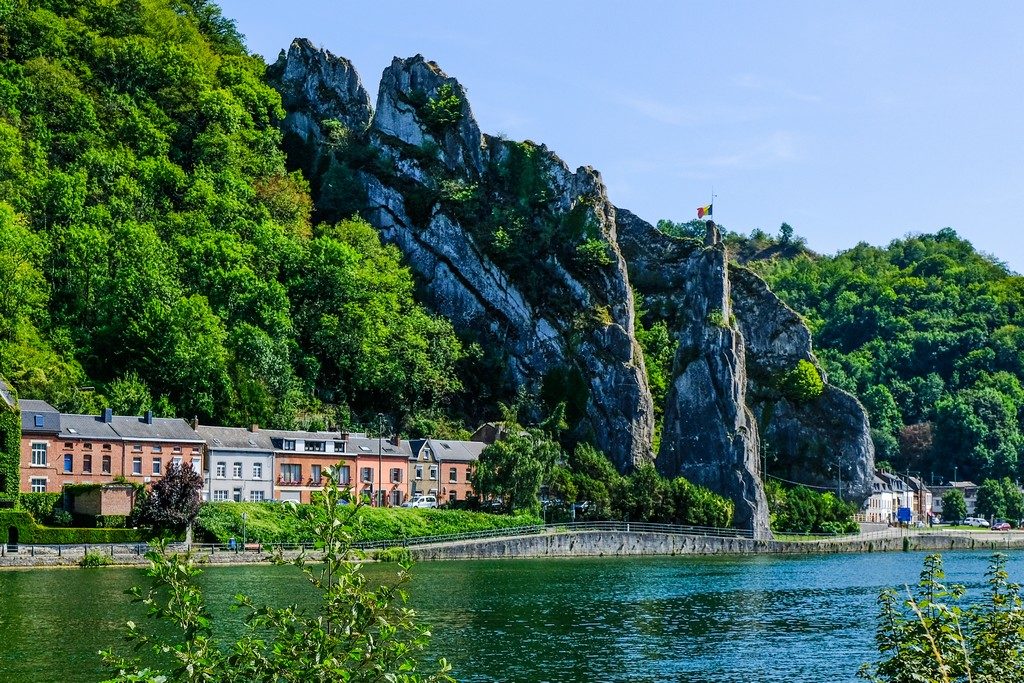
{"type": "Point", "coordinates": [991, 499]}
{"type": "Point", "coordinates": [1014, 500]}
{"type": "Point", "coordinates": [954, 507]}
{"type": "Point", "coordinates": [802, 383]}
{"type": "Point", "coordinates": [928, 638]}
{"type": "Point", "coordinates": [358, 632]}
{"type": "Point", "coordinates": [513, 468]}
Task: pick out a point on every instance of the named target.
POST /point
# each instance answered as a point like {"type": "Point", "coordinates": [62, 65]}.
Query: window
{"type": "Point", "coordinates": [344, 475]}
{"type": "Point", "coordinates": [222, 470]}
{"type": "Point", "coordinates": [453, 475]}
{"type": "Point", "coordinates": [87, 463]}
{"type": "Point", "coordinates": [38, 485]}
{"type": "Point", "coordinates": [220, 495]}
{"type": "Point", "coordinates": [367, 474]}
{"type": "Point", "coordinates": [69, 463]}
{"type": "Point", "coordinates": [256, 497]}
{"type": "Point", "coordinates": [289, 444]}
{"type": "Point", "coordinates": [339, 446]}
{"type": "Point", "coordinates": [257, 470]}
{"type": "Point", "coordinates": [433, 471]}
{"type": "Point", "coordinates": [68, 445]}
{"type": "Point", "coordinates": [157, 449]}
{"type": "Point", "coordinates": [236, 470]}
{"type": "Point", "coordinates": [136, 465]}
{"type": "Point", "coordinates": [396, 475]}
{"type": "Point", "coordinates": [106, 464]}
{"type": "Point", "coordinates": [291, 474]}
{"type": "Point", "coordinates": [106, 446]}
{"type": "Point", "coordinates": [39, 454]}
{"type": "Point", "coordinates": [236, 495]}
{"type": "Point", "coordinates": [87, 446]}
{"type": "Point", "coordinates": [419, 471]}
{"type": "Point", "coordinates": [137, 448]}
{"type": "Point", "coordinates": [453, 495]}
{"type": "Point", "coordinates": [195, 451]}
{"type": "Point", "coordinates": [315, 474]}
{"type": "Point", "coordinates": [176, 449]}
{"type": "Point", "coordinates": [157, 466]}
{"type": "Point", "coordinates": [196, 465]}
{"type": "Point", "coordinates": [39, 423]}
{"type": "Point", "coordinates": [316, 446]}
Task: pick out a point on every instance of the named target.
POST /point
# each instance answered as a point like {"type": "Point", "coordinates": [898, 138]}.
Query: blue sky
{"type": "Point", "coordinates": [852, 121]}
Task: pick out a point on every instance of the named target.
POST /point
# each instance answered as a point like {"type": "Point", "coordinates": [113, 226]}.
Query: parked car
{"type": "Point", "coordinates": [421, 502]}
{"type": "Point", "coordinates": [976, 521]}
{"type": "Point", "coordinates": [1000, 525]}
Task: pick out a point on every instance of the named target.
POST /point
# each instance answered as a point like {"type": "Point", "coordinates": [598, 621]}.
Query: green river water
{"type": "Point", "coordinates": [760, 618]}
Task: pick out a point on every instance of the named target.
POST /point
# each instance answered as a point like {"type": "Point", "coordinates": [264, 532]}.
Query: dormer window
{"type": "Point", "coordinates": [289, 444]}
{"type": "Point", "coordinates": [39, 421]}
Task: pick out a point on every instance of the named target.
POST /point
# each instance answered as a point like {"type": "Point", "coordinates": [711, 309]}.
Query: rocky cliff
{"type": "Point", "coordinates": [515, 248]}
{"type": "Point", "coordinates": [529, 258]}
{"type": "Point", "coordinates": [730, 417]}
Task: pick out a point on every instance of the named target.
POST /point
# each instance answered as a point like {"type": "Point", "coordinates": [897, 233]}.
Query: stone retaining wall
{"type": "Point", "coordinates": [623, 544]}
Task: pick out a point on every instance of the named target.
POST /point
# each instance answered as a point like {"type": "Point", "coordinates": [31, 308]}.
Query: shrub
{"type": "Point", "coordinates": [593, 254]}
{"type": "Point", "coordinates": [41, 506]}
{"type": "Point", "coordinates": [802, 383]}
{"type": "Point", "coordinates": [928, 637]}
{"type": "Point", "coordinates": [95, 559]}
{"type": "Point", "coordinates": [441, 111]}
{"type": "Point", "coordinates": [716, 318]}
{"type": "Point", "coordinates": [395, 554]}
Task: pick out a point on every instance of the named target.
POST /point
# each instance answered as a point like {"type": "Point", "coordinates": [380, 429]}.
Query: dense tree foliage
{"type": "Point", "coordinates": [801, 510]}
{"type": "Point", "coordinates": [954, 507]}
{"type": "Point", "coordinates": [929, 334]}
{"type": "Point", "coordinates": [927, 637]}
{"type": "Point", "coordinates": [154, 247]}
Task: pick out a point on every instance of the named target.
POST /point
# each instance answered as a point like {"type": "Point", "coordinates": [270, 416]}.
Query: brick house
{"type": "Point", "coordinates": [60, 448]}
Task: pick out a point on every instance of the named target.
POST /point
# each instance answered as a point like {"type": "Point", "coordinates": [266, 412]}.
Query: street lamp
{"type": "Point", "coordinates": [380, 460]}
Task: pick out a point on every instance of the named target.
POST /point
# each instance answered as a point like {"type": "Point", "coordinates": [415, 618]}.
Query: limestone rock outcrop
{"type": "Point", "coordinates": [498, 232]}
{"type": "Point", "coordinates": [726, 418]}
{"type": "Point", "coordinates": [528, 258]}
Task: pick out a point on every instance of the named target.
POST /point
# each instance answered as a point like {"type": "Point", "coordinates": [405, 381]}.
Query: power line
{"type": "Point", "coordinates": [797, 483]}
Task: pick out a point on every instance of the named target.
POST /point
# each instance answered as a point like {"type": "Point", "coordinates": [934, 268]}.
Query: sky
{"type": "Point", "coordinates": [852, 121]}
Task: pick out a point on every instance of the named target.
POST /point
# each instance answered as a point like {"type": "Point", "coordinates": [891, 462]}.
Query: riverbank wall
{"type": "Point", "coordinates": [627, 544]}
{"type": "Point", "coordinates": [563, 544]}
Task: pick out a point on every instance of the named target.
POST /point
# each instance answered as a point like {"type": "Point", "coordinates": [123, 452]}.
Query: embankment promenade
{"type": "Point", "coordinates": [556, 542]}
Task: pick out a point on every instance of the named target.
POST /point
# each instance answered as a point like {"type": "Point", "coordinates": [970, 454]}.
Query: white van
{"type": "Point", "coordinates": [421, 502]}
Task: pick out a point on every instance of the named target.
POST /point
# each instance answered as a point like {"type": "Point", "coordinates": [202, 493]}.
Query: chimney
{"type": "Point", "coordinates": [149, 417]}
{"type": "Point", "coordinates": [195, 422]}
{"type": "Point", "coordinates": [108, 415]}
{"type": "Point", "coordinates": [344, 436]}
{"type": "Point", "coordinates": [396, 440]}
{"type": "Point", "coordinates": [254, 428]}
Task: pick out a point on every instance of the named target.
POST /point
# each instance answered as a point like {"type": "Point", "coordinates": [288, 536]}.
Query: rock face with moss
{"type": "Point", "coordinates": [746, 390]}
{"type": "Point", "coordinates": [519, 251]}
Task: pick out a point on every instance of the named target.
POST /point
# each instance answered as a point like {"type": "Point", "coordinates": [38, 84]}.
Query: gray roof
{"type": "Point", "coordinates": [51, 418]}
{"type": "Point", "coordinates": [456, 451]}
{"type": "Point", "coordinates": [362, 444]}
{"type": "Point", "coordinates": [86, 427]}
{"type": "Point", "coordinates": [7, 395]}
{"type": "Point", "coordinates": [235, 438]}
{"type": "Point", "coordinates": [162, 429]}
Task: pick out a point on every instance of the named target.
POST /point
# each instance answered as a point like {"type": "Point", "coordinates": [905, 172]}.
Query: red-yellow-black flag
{"type": "Point", "coordinates": [704, 211]}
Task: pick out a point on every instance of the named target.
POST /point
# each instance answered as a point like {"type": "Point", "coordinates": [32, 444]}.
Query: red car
{"type": "Point", "coordinates": [1001, 526]}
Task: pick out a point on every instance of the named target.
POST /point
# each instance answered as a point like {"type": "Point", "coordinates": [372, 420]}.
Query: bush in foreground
{"type": "Point", "coordinates": [358, 633]}
{"type": "Point", "coordinates": [930, 638]}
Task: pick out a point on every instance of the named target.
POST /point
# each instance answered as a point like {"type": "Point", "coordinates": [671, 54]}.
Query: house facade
{"type": "Point", "coordinates": [10, 444]}
{"type": "Point", "coordinates": [60, 448]}
{"type": "Point", "coordinates": [968, 488]}
{"type": "Point", "coordinates": [239, 464]}
{"type": "Point", "coordinates": [443, 468]}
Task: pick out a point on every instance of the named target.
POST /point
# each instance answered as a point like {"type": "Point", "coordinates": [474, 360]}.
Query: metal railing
{"type": "Point", "coordinates": [139, 549]}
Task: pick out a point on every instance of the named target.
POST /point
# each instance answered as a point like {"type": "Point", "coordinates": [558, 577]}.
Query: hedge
{"type": "Point", "coordinates": [31, 533]}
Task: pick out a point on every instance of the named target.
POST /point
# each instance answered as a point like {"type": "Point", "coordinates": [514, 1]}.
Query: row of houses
{"type": "Point", "coordinates": [891, 491]}
{"type": "Point", "coordinates": [238, 464]}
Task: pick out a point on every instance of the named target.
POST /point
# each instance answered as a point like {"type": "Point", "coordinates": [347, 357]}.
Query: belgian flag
{"type": "Point", "coordinates": [704, 211]}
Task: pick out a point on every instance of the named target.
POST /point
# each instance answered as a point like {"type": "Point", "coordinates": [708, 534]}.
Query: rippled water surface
{"type": "Point", "coordinates": [762, 618]}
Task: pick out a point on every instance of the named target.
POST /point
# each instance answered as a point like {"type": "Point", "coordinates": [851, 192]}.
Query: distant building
{"type": "Point", "coordinates": [968, 488]}
{"type": "Point", "coordinates": [239, 464]}
{"type": "Point", "coordinates": [443, 468]}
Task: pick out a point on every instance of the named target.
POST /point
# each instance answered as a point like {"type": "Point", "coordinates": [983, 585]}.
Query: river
{"type": "Point", "coordinates": [700, 619]}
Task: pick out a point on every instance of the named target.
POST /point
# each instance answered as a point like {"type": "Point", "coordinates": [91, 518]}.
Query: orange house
{"type": "Point", "coordinates": [443, 468]}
